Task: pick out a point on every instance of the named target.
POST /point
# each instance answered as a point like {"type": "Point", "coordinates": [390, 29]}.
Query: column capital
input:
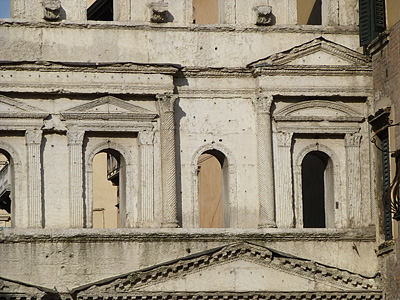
{"type": "Point", "coordinates": [284, 139]}
{"type": "Point", "coordinates": [263, 103]}
{"type": "Point", "coordinates": [33, 136]}
{"type": "Point", "coordinates": [146, 137]}
{"type": "Point", "coordinates": [166, 102]}
{"type": "Point", "coordinates": [75, 137]}
{"type": "Point", "coordinates": [353, 140]}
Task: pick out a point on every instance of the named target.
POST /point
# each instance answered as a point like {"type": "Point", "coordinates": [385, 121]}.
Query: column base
{"type": "Point", "coordinates": [170, 224]}
{"type": "Point", "coordinates": [267, 225]}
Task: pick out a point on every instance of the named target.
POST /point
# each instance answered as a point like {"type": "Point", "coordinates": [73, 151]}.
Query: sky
{"type": "Point", "coordinates": [4, 9]}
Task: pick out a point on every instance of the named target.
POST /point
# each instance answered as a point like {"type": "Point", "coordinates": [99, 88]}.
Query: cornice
{"type": "Point", "coordinates": [345, 30]}
{"type": "Point", "coordinates": [215, 72]}
{"type": "Point", "coordinates": [283, 70]}
{"type": "Point", "coordinates": [89, 235]}
{"type": "Point", "coordinates": [109, 67]}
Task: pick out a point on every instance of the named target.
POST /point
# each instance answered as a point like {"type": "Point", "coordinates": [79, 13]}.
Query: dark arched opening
{"type": "Point", "coordinates": [317, 190]}
{"type": "Point", "coordinates": [6, 189]}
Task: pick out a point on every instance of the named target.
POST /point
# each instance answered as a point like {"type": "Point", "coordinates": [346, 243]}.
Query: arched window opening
{"type": "Point", "coordinates": [5, 11]}
{"type": "Point", "coordinates": [205, 12]}
{"type": "Point", "coordinates": [309, 12]}
{"type": "Point", "coordinates": [100, 10]}
{"type": "Point", "coordinates": [108, 185]}
{"type": "Point", "coordinates": [212, 174]}
{"type": "Point", "coordinates": [5, 189]}
{"type": "Point", "coordinates": [317, 190]}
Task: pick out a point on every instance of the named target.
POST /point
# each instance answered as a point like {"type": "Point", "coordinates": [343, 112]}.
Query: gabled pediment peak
{"type": "Point", "coordinates": [317, 52]}
{"type": "Point", "coordinates": [11, 105]}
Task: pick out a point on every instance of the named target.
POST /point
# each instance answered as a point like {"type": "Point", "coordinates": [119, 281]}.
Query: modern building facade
{"type": "Point", "coordinates": [275, 93]}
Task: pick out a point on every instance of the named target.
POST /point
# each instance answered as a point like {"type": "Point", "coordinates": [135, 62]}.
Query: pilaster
{"type": "Point", "coordinates": [168, 160]}
{"type": "Point", "coordinates": [353, 179]}
{"type": "Point", "coordinates": [75, 141]}
{"type": "Point", "coordinates": [265, 164]}
{"type": "Point", "coordinates": [284, 204]}
{"type": "Point", "coordinates": [33, 140]}
{"type": "Point", "coordinates": [146, 148]}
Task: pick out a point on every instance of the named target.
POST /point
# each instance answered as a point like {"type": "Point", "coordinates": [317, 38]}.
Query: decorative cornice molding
{"type": "Point", "coordinates": [315, 70]}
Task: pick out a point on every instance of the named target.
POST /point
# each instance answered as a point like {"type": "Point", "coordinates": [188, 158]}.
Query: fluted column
{"type": "Point", "coordinates": [33, 141]}
{"type": "Point", "coordinates": [283, 171]}
{"type": "Point", "coordinates": [146, 148]}
{"type": "Point", "coordinates": [266, 194]}
{"type": "Point", "coordinates": [75, 140]}
{"type": "Point", "coordinates": [168, 161]}
{"type": "Point", "coordinates": [353, 179]}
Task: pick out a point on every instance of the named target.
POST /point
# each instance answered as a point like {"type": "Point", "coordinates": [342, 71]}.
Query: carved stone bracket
{"type": "Point", "coordinates": [52, 9]}
{"type": "Point", "coordinates": [75, 141]}
{"type": "Point", "coordinates": [33, 141]}
{"type": "Point", "coordinates": [159, 12]}
{"type": "Point", "coordinates": [170, 206]}
{"type": "Point", "coordinates": [263, 15]}
{"type": "Point", "coordinates": [146, 137]}
{"type": "Point", "coordinates": [284, 139]}
{"type": "Point", "coordinates": [263, 103]}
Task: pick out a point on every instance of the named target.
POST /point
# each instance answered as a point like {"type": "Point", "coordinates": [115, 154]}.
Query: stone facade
{"type": "Point", "coordinates": [158, 92]}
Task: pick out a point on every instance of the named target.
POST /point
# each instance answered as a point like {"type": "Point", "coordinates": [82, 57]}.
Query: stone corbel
{"type": "Point", "coordinates": [159, 12]}
{"type": "Point", "coordinates": [264, 15]}
{"type": "Point", "coordinates": [51, 10]}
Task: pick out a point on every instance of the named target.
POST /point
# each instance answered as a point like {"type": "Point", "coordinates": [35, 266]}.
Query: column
{"type": "Point", "coordinates": [146, 148]}
{"type": "Point", "coordinates": [265, 165]}
{"type": "Point", "coordinates": [75, 141]}
{"type": "Point", "coordinates": [283, 171]}
{"type": "Point", "coordinates": [33, 141]}
{"type": "Point", "coordinates": [168, 162]}
{"type": "Point", "coordinates": [353, 179]}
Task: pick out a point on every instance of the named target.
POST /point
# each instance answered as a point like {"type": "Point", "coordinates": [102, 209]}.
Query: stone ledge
{"type": "Point", "coordinates": [180, 235]}
{"type": "Point", "coordinates": [385, 248]}
{"type": "Point", "coordinates": [318, 29]}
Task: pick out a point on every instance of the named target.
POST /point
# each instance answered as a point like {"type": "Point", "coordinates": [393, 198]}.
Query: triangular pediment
{"type": "Point", "coordinates": [109, 107]}
{"type": "Point", "coordinates": [18, 290]}
{"type": "Point", "coordinates": [318, 110]}
{"type": "Point", "coordinates": [238, 267]}
{"type": "Point", "coordinates": [11, 108]}
{"type": "Point", "coordinates": [317, 52]}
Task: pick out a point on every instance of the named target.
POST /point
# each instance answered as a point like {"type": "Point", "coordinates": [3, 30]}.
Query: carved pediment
{"type": "Point", "coordinates": [109, 108]}
{"type": "Point", "coordinates": [17, 289]}
{"type": "Point", "coordinates": [318, 110]}
{"type": "Point", "coordinates": [11, 108]}
{"type": "Point", "coordinates": [317, 52]}
{"type": "Point", "coordinates": [239, 268]}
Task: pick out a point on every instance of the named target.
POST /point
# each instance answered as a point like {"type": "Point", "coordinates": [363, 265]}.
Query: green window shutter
{"type": "Point", "coordinates": [372, 20]}
{"type": "Point", "coordinates": [387, 215]}
{"type": "Point", "coordinates": [380, 12]}
{"type": "Point", "coordinates": [365, 22]}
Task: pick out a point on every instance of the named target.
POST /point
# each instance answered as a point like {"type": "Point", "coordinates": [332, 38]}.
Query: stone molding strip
{"type": "Point", "coordinates": [90, 235]}
{"type": "Point", "coordinates": [345, 30]}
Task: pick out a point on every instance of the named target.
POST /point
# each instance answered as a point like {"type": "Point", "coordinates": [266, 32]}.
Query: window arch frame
{"type": "Point", "coordinates": [232, 221]}
{"type": "Point", "coordinates": [298, 186]}
{"type": "Point", "coordinates": [128, 213]}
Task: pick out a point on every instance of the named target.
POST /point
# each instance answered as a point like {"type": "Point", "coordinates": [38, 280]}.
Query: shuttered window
{"type": "Point", "coordinates": [372, 20]}
{"type": "Point", "coordinates": [387, 216]}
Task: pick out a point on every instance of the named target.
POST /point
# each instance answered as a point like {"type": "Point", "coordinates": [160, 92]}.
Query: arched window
{"type": "Point", "coordinates": [212, 174]}
{"type": "Point", "coordinates": [6, 185]}
{"type": "Point", "coordinates": [309, 12]}
{"type": "Point", "coordinates": [317, 190]}
{"type": "Point", "coordinates": [108, 189]}
{"type": "Point", "coordinates": [206, 11]}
